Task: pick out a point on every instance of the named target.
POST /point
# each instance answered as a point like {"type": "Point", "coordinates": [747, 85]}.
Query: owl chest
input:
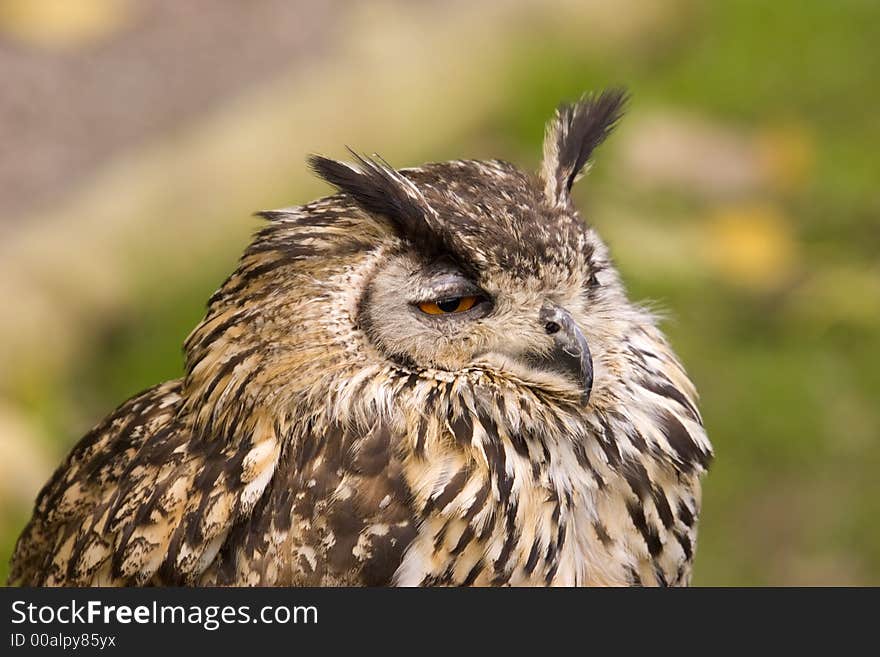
{"type": "Point", "coordinates": [515, 514]}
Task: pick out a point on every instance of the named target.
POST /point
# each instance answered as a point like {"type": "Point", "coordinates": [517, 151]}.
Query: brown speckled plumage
{"type": "Point", "coordinates": [328, 432]}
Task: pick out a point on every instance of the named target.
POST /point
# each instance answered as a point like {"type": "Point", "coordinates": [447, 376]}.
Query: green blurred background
{"type": "Point", "coordinates": [739, 197]}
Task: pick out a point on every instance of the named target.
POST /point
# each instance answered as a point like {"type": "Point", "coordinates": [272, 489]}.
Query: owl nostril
{"type": "Point", "coordinates": [552, 327]}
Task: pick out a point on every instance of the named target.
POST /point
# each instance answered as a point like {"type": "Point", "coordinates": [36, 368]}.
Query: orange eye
{"type": "Point", "coordinates": [448, 306]}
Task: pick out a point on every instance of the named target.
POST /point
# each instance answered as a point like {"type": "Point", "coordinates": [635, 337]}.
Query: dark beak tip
{"type": "Point", "coordinates": [587, 383]}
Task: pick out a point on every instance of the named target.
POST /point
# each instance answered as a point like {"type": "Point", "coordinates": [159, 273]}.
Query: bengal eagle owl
{"type": "Point", "coordinates": [431, 377]}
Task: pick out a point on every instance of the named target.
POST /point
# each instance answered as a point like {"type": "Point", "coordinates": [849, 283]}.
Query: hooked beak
{"type": "Point", "coordinates": [570, 355]}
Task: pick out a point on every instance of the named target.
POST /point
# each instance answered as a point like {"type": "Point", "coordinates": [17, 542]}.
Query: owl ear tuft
{"type": "Point", "coordinates": [572, 136]}
{"type": "Point", "coordinates": [378, 189]}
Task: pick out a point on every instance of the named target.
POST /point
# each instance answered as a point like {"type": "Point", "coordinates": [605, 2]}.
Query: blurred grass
{"type": "Point", "coordinates": [786, 358]}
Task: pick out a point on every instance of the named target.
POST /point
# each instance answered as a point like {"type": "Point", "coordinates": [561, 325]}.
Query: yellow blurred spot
{"type": "Point", "coordinates": [787, 154]}
{"type": "Point", "coordinates": [751, 246]}
{"type": "Point", "coordinates": [24, 460]}
{"type": "Point", "coordinates": [62, 23]}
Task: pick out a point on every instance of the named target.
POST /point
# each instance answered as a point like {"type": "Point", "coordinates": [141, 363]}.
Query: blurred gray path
{"type": "Point", "coordinates": [64, 112]}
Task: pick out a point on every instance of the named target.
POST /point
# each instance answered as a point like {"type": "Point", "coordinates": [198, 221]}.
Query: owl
{"type": "Point", "coordinates": [432, 377]}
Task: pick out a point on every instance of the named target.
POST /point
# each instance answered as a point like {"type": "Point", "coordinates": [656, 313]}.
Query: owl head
{"type": "Point", "coordinates": [449, 268]}
{"type": "Point", "coordinates": [488, 266]}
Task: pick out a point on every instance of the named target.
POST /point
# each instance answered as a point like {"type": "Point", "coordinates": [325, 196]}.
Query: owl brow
{"type": "Point", "coordinates": [378, 189]}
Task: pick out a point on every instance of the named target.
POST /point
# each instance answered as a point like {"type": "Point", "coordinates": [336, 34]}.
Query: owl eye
{"type": "Point", "coordinates": [449, 306]}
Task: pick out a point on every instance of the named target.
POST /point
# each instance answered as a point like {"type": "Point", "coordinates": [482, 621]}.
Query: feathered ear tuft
{"type": "Point", "coordinates": [573, 135]}
{"type": "Point", "coordinates": [378, 189]}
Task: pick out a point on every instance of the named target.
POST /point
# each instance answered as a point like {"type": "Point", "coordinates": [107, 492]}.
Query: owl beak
{"type": "Point", "coordinates": [570, 355]}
